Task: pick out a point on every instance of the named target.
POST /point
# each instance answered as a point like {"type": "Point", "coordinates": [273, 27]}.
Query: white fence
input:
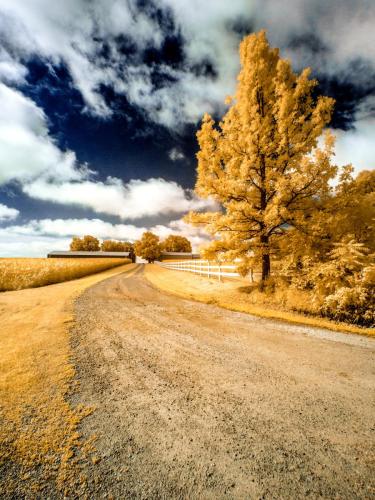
{"type": "Point", "coordinates": [207, 268]}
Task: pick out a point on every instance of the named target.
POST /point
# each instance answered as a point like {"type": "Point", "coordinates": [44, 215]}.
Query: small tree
{"type": "Point", "coordinates": [262, 163]}
{"type": "Point", "coordinates": [116, 246]}
{"type": "Point", "coordinates": [176, 243]}
{"type": "Point", "coordinates": [87, 243]}
{"type": "Point", "coordinates": [148, 247]}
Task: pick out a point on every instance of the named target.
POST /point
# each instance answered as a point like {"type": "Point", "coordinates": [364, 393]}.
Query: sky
{"type": "Point", "coordinates": [100, 101]}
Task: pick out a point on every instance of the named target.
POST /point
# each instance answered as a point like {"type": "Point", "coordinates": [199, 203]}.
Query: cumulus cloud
{"type": "Point", "coordinates": [7, 213]}
{"type": "Point", "coordinates": [30, 156]}
{"type": "Point", "coordinates": [356, 146]}
{"type": "Point", "coordinates": [75, 32]}
{"type": "Point", "coordinates": [26, 149]}
{"type": "Point", "coordinates": [133, 200]}
{"type": "Point", "coordinates": [11, 71]}
{"type": "Point", "coordinates": [329, 36]}
{"type": "Point", "coordinates": [74, 227]}
{"type": "Point", "coordinates": [196, 235]}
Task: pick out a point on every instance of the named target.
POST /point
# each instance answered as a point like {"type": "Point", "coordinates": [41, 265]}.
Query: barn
{"type": "Point", "coordinates": [82, 254]}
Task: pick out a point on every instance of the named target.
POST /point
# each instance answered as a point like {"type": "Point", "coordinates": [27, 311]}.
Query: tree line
{"type": "Point", "coordinates": [148, 247]}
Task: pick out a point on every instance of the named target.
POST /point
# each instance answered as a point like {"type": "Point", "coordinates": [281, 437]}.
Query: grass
{"type": "Point", "coordinates": [41, 450]}
{"type": "Point", "coordinates": [235, 296]}
{"type": "Point", "coordinates": [19, 273]}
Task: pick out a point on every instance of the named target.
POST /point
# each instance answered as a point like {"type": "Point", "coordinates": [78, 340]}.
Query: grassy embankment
{"type": "Point", "coordinates": [41, 451]}
{"type": "Point", "coordinates": [16, 274]}
{"type": "Point", "coordinates": [234, 295]}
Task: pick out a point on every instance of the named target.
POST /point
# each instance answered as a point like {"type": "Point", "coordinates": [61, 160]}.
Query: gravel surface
{"type": "Point", "coordinates": [197, 402]}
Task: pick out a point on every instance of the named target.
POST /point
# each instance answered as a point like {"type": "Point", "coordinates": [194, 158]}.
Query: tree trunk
{"type": "Point", "coordinates": [266, 261]}
{"type": "Point", "coordinates": [266, 266]}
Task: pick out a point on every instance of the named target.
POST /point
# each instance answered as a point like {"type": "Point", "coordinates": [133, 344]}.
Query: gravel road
{"type": "Point", "coordinates": [197, 402]}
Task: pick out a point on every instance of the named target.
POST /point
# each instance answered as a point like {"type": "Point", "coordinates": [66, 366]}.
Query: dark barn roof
{"type": "Point", "coordinates": [122, 255]}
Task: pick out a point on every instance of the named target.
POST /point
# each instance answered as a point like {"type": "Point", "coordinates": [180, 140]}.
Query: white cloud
{"type": "Point", "coordinates": [14, 245]}
{"type": "Point", "coordinates": [176, 154]}
{"type": "Point", "coordinates": [26, 149]}
{"type": "Point", "coordinates": [11, 71]}
{"type": "Point", "coordinates": [133, 200]}
{"type": "Point", "coordinates": [343, 27]}
{"type": "Point", "coordinates": [74, 32]}
{"type": "Point", "coordinates": [356, 146]}
{"type": "Point", "coordinates": [77, 227]}
{"type": "Point", "coordinates": [30, 156]}
{"type": "Point", "coordinates": [7, 213]}
{"type": "Point", "coordinates": [196, 235]}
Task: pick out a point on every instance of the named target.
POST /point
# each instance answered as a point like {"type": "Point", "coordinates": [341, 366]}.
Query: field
{"type": "Point", "coordinates": [39, 439]}
{"type": "Point", "coordinates": [19, 273]}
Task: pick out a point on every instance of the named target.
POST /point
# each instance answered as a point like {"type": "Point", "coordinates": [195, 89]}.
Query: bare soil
{"type": "Point", "coordinates": [194, 401]}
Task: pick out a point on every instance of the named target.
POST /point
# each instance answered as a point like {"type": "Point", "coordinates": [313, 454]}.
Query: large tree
{"type": "Point", "coordinates": [262, 162]}
{"type": "Point", "coordinates": [176, 243]}
{"type": "Point", "coordinates": [148, 247]}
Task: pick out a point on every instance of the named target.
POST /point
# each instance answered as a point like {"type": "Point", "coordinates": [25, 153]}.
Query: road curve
{"type": "Point", "coordinates": [197, 402]}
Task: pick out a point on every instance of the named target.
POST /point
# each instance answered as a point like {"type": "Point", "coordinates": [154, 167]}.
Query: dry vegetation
{"type": "Point", "coordinates": [242, 297]}
{"type": "Point", "coordinates": [16, 274]}
{"type": "Point", "coordinates": [41, 452]}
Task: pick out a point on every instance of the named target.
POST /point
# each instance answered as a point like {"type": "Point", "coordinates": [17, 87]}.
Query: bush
{"type": "Point", "coordinates": [354, 305]}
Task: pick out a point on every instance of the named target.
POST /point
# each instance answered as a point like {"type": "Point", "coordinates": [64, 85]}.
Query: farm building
{"type": "Point", "coordinates": [121, 255]}
{"type": "Point", "coordinates": [81, 254]}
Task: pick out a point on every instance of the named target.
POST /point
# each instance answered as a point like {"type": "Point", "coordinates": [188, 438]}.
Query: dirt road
{"type": "Point", "coordinates": [193, 401]}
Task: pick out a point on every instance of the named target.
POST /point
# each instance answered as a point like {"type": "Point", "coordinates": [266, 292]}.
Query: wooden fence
{"type": "Point", "coordinates": [207, 268]}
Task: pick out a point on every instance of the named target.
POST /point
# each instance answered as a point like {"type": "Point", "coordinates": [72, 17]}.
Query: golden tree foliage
{"type": "Point", "coordinates": [175, 243]}
{"type": "Point", "coordinates": [262, 162]}
{"type": "Point", "coordinates": [335, 260]}
{"type": "Point", "coordinates": [148, 247]}
{"type": "Point", "coordinates": [116, 246]}
{"type": "Point", "coordinates": [88, 243]}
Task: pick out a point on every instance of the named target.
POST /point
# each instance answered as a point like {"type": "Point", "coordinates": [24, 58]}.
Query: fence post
{"type": "Point", "coordinates": [219, 272]}
{"type": "Point", "coordinates": [208, 262]}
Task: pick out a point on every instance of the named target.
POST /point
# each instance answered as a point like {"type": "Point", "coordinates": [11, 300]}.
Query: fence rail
{"type": "Point", "coordinates": [207, 268]}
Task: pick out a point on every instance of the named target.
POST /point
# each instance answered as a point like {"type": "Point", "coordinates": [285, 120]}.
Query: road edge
{"type": "Point", "coordinates": [284, 316]}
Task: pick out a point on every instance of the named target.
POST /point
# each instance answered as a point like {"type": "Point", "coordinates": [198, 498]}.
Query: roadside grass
{"type": "Point", "coordinates": [19, 273]}
{"type": "Point", "coordinates": [41, 451]}
{"type": "Point", "coordinates": [233, 295]}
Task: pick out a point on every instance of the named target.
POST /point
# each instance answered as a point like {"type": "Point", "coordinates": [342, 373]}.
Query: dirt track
{"type": "Point", "coordinates": [193, 401]}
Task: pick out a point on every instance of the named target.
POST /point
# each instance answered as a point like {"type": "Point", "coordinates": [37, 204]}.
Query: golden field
{"type": "Point", "coordinates": [19, 273]}
{"type": "Point", "coordinates": [40, 441]}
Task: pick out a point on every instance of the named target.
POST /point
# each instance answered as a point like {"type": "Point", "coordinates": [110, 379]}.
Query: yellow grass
{"type": "Point", "coordinates": [229, 295]}
{"type": "Point", "coordinates": [16, 274]}
{"type": "Point", "coordinates": [39, 438]}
